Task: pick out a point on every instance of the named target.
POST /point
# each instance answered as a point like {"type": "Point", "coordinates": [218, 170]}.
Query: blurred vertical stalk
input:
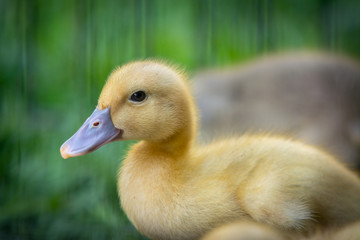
{"type": "Point", "coordinates": [209, 37]}
{"type": "Point", "coordinates": [143, 29]}
{"type": "Point", "coordinates": [262, 34]}
{"type": "Point", "coordinates": [131, 50]}
{"type": "Point", "coordinates": [22, 87]}
{"type": "Point", "coordinates": [333, 27]}
{"type": "Point", "coordinates": [21, 104]}
{"type": "Point", "coordinates": [23, 52]}
{"type": "Point", "coordinates": [88, 51]}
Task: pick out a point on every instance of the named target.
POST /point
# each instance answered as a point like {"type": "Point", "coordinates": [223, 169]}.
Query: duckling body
{"type": "Point", "coordinates": [288, 185]}
{"type": "Point", "coordinates": [172, 188]}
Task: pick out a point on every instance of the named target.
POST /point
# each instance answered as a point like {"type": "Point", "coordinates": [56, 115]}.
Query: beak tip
{"type": "Point", "coordinates": [63, 152]}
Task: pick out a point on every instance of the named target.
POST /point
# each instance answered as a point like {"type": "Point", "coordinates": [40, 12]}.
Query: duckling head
{"type": "Point", "coordinates": [145, 100]}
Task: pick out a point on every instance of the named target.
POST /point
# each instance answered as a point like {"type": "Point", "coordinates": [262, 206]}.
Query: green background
{"type": "Point", "coordinates": [55, 58]}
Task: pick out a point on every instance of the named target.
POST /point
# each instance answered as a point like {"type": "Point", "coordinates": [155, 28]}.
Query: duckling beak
{"type": "Point", "coordinates": [96, 131]}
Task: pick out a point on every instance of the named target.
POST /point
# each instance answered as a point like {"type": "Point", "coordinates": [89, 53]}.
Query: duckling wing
{"type": "Point", "coordinates": [283, 183]}
{"type": "Point", "coordinates": [297, 187]}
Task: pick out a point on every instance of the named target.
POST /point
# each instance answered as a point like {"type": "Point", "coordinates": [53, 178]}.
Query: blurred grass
{"type": "Point", "coordinates": [55, 58]}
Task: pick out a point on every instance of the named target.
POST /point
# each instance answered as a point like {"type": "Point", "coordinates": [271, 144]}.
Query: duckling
{"type": "Point", "coordinates": [171, 187]}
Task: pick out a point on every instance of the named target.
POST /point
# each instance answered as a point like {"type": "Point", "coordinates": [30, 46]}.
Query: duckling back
{"type": "Point", "coordinates": [286, 184]}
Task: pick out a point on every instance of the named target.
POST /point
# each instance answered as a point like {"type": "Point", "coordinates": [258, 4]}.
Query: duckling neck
{"type": "Point", "coordinates": [176, 145]}
{"type": "Point", "coordinates": [150, 183]}
{"type": "Point", "coordinates": [179, 143]}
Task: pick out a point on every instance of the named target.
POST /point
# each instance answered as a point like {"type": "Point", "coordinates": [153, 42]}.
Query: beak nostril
{"type": "Point", "coordinates": [95, 123]}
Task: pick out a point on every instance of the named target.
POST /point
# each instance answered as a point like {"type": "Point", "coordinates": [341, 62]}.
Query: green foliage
{"type": "Point", "coordinates": [55, 58]}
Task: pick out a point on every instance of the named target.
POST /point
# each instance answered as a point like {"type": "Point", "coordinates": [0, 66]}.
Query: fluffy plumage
{"type": "Point", "coordinates": [255, 231]}
{"type": "Point", "coordinates": [172, 188]}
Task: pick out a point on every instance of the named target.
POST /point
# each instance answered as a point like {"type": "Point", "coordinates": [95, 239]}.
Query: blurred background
{"type": "Point", "coordinates": [56, 56]}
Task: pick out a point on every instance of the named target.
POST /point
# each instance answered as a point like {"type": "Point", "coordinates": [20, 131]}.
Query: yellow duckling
{"type": "Point", "coordinates": [171, 188]}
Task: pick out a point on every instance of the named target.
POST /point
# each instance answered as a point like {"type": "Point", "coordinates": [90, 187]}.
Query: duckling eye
{"type": "Point", "coordinates": [138, 96]}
